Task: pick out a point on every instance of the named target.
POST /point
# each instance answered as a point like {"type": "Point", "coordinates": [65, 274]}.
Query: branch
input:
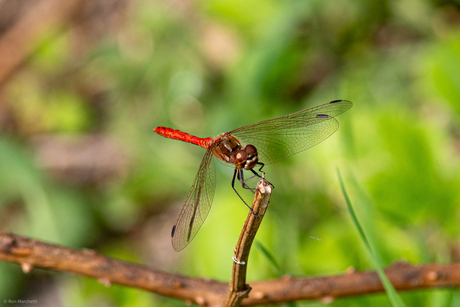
{"type": "Point", "coordinates": [403, 276]}
{"type": "Point", "coordinates": [238, 287]}
{"type": "Point", "coordinates": [33, 253]}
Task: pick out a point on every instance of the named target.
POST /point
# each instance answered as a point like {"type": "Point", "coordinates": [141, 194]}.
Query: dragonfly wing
{"type": "Point", "coordinates": [197, 204]}
{"type": "Point", "coordinates": [282, 137]}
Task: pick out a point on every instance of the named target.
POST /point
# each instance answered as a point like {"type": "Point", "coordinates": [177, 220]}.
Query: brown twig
{"type": "Point", "coordinates": [33, 253]}
{"type": "Point", "coordinates": [17, 43]}
{"type": "Point", "coordinates": [238, 287]}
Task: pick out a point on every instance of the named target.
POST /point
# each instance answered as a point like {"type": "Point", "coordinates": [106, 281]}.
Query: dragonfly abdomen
{"type": "Point", "coordinates": [182, 136]}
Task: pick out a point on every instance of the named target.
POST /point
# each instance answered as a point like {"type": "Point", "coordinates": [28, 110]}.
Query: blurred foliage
{"type": "Point", "coordinates": [208, 67]}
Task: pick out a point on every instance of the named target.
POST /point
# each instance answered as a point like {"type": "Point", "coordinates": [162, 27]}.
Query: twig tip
{"type": "Point", "coordinates": [26, 267]}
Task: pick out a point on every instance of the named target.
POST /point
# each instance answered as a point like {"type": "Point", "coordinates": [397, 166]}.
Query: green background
{"type": "Point", "coordinates": [208, 67]}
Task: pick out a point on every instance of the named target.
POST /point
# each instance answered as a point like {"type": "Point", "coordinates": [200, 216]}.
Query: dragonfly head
{"type": "Point", "coordinates": [247, 157]}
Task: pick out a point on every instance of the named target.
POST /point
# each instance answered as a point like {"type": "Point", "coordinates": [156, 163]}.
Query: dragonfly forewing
{"type": "Point", "coordinates": [197, 204]}
{"type": "Point", "coordinates": [282, 137]}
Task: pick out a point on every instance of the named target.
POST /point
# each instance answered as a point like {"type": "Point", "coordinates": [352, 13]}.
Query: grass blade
{"type": "Point", "coordinates": [393, 296]}
{"type": "Point", "coordinates": [271, 259]}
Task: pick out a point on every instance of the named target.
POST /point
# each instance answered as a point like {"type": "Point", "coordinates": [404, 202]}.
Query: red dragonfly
{"type": "Point", "coordinates": [262, 143]}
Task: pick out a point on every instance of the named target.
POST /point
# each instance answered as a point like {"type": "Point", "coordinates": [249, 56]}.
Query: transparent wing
{"type": "Point", "coordinates": [282, 137]}
{"type": "Point", "coordinates": [197, 204]}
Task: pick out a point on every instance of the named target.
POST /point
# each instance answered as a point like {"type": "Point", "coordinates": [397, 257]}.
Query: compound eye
{"type": "Point", "coordinates": [251, 150]}
{"type": "Point", "coordinates": [241, 156]}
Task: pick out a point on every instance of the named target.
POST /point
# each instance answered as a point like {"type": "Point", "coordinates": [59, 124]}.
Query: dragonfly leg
{"type": "Point", "coordinates": [243, 181]}
{"type": "Point", "coordinates": [263, 174]}
{"type": "Point", "coordinates": [240, 177]}
{"type": "Point", "coordinates": [261, 167]}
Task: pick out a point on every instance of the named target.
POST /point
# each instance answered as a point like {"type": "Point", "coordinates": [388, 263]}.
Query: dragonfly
{"type": "Point", "coordinates": [258, 144]}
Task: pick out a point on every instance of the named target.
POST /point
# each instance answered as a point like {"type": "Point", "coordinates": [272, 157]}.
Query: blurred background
{"type": "Point", "coordinates": [83, 83]}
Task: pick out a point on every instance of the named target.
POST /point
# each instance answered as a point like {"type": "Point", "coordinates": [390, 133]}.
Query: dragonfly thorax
{"type": "Point", "coordinates": [228, 148]}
